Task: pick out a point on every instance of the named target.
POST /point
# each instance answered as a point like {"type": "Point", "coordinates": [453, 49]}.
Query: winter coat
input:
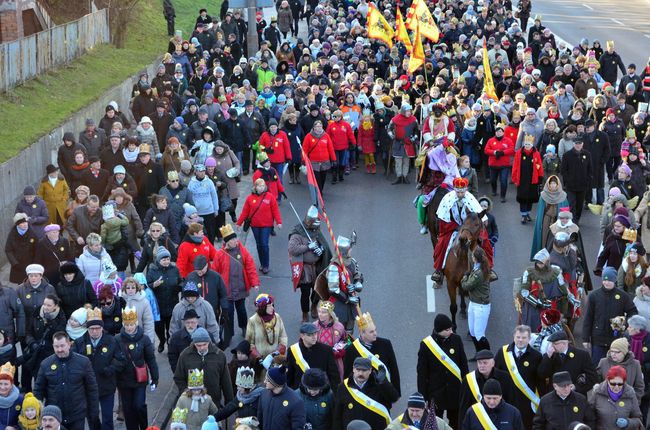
{"type": "Point", "coordinates": [235, 135]}
{"type": "Point", "coordinates": [94, 142]}
{"type": "Point", "coordinates": [598, 146]}
{"type": "Point", "coordinates": [262, 209]}
{"type": "Point", "coordinates": [602, 306]}
{"type": "Point", "coordinates": [254, 124]}
{"type": "Point", "coordinates": [383, 393]}
{"type": "Point", "coordinates": [211, 289]}
{"type": "Point", "coordinates": [195, 419]}
{"type": "Point", "coordinates": [65, 158]}
{"type": "Point", "coordinates": [111, 158]}
{"type": "Point", "coordinates": [107, 360]}
{"type": "Point", "coordinates": [607, 411]}
{"type": "Point", "coordinates": [20, 253]}
{"type": "Point", "coordinates": [554, 413]}
{"type": "Point", "coordinates": [282, 411]}
{"type": "Point", "coordinates": [91, 266]}
{"type": "Point", "coordinates": [320, 356]}
{"type": "Point", "coordinates": [319, 149]}
{"type": "Point", "coordinates": [51, 256]}
{"type": "Point", "coordinates": [576, 168]}
{"type": "Point", "coordinates": [145, 314]}
{"type": "Point", "coordinates": [319, 409]}
{"type": "Point", "coordinates": [9, 414]}
{"type": "Point", "coordinates": [504, 416]}
{"type": "Point", "coordinates": [642, 304]}
{"type": "Point", "coordinates": [204, 195]}
{"type": "Point", "coordinates": [276, 146]}
{"type": "Point", "coordinates": [608, 66]}
{"type": "Point", "coordinates": [216, 378]}
{"type": "Point", "coordinates": [205, 312]}
{"type": "Point", "coordinates": [188, 251]}
{"type": "Point", "coordinates": [341, 134]}
{"type": "Point", "coordinates": [505, 146]}
{"type": "Point", "coordinates": [164, 217]}
{"type": "Point", "coordinates": [149, 178]}
{"type": "Point", "coordinates": [70, 384]}
{"type": "Point", "coordinates": [167, 292]}
{"type": "Point", "coordinates": [256, 334]}
{"type": "Point", "coordinates": [96, 182]}
{"type": "Point", "coordinates": [137, 349]}
{"type": "Point", "coordinates": [32, 299]}
{"type": "Point", "coordinates": [296, 136]}
{"type": "Point", "coordinates": [612, 252]}
{"type": "Point", "coordinates": [80, 223]}
{"type": "Point", "coordinates": [76, 293]}
{"type": "Point", "coordinates": [244, 260]}
{"type": "Point", "coordinates": [148, 256]}
{"type": "Point", "coordinates": [37, 213]}
{"type": "Point", "coordinates": [271, 178]}
{"type": "Point", "coordinates": [632, 367]}
{"type": "Point", "coordinates": [285, 19]}
{"type": "Point", "coordinates": [55, 198]}
{"type": "Point", "coordinates": [113, 317]}
{"type": "Point", "coordinates": [615, 132]}
{"type": "Point", "coordinates": [227, 161]}
{"type": "Point", "coordinates": [184, 136]}
{"type": "Point", "coordinates": [128, 185]}
{"type": "Point", "coordinates": [135, 224]}
{"type": "Point", "coordinates": [176, 199]}
{"type": "Point", "coordinates": [527, 173]}
{"type": "Point", "coordinates": [39, 338]}
{"type": "Point", "coordinates": [12, 314]}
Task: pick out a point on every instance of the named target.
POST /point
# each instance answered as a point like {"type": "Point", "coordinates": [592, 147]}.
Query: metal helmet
{"type": "Point", "coordinates": [562, 239]}
{"type": "Point", "coordinates": [311, 219]}
{"type": "Point", "coordinates": [345, 244]}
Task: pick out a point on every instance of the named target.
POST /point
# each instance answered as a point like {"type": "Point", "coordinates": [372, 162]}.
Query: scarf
{"type": "Point", "coordinates": [5, 348]}
{"type": "Point", "coordinates": [52, 181]}
{"type": "Point", "coordinates": [130, 156]}
{"type": "Point", "coordinates": [316, 135]}
{"type": "Point", "coordinates": [21, 231]}
{"type": "Point", "coordinates": [196, 240]}
{"type": "Point", "coordinates": [195, 402]}
{"type": "Point", "coordinates": [636, 345]}
{"type": "Point", "coordinates": [7, 402]}
{"type": "Point", "coordinates": [248, 398]}
{"type": "Point", "coordinates": [82, 166]}
{"type": "Point", "coordinates": [553, 197]}
{"type": "Point", "coordinates": [75, 332]}
{"type": "Point", "coordinates": [615, 396]}
{"type": "Point", "coordinates": [50, 315]}
{"type": "Point", "coordinates": [97, 255]}
{"type": "Point", "coordinates": [108, 310]}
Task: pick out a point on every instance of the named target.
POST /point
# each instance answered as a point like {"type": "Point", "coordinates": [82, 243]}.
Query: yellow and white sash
{"type": "Point", "coordinates": [363, 352]}
{"type": "Point", "coordinates": [300, 360]}
{"type": "Point", "coordinates": [405, 426]}
{"type": "Point", "coordinates": [368, 403]}
{"type": "Point", "coordinates": [473, 386]}
{"type": "Point", "coordinates": [442, 356]}
{"type": "Point", "coordinates": [519, 380]}
{"type": "Point", "coordinates": [483, 416]}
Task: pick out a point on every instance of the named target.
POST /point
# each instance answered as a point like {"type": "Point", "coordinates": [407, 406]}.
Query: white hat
{"type": "Point", "coordinates": [35, 268]}
{"type": "Point", "coordinates": [145, 119]}
{"type": "Point", "coordinates": [108, 212]}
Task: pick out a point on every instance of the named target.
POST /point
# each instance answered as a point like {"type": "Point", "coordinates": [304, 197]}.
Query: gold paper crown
{"type": "Point", "coordinates": [364, 321]}
{"type": "Point", "coordinates": [195, 378]}
{"type": "Point", "coordinates": [129, 315]}
{"type": "Point", "coordinates": [179, 416]}
{"type": "Point", "coordinates": [145, 148]}
{"type": "Point", "coordinates": [327, 305]}
{"type": "Point", "coordinates": [630, 235]}
{"type": "Point", "coordinates": [609, 44]}
{"type": "Point", "coordinates": [226, 231]}
{"type": "Point", "coordinates": [94, 314]}
{"type": "Point", "coordinates": [8, 369]}
{"type": "Point", "coordinates": [630, 134]}
{"type": "Point", "coordinates": [529, 138]}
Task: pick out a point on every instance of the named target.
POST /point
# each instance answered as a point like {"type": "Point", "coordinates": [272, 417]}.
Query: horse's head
{"type": "Point", "coordinates": [470, 230]}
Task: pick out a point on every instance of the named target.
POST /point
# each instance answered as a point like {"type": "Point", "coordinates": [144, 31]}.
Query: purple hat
{"type": "Point", "coordinates": [623, 220]}
{"type": "Point", "coordinates": [52, 227]}
{"type": "Point", "coordinates": [625, 169]}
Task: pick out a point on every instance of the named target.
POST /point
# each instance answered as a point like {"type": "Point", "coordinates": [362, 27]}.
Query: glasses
{"type": "Point", "coordinates": [616, 384]}
{"type": "Point", "coordinates": [106, 302]}
{"type": "Point", "coordinates": [155, 231]}
{"type": "Point", "coordinates": [174, 180]}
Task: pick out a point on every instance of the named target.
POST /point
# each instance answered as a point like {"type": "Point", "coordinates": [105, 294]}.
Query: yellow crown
{"type": "Point", "coordinates": [364, 321]}
{"type": "Point", "coordinates": [630, 133]}
{"type": "Point", "coordinates": [226, 231]}
{"type": "Point", "coordinates": [195, 378]}
{"type": "Point", "coordinates": [129, 315]}
{"type": "Point", "coordinates": [8, 369]}
{"type": "Point", "coordinates": [94, 314]}
{"type": "Point", "coordinates": [179, 416]}
{"type": "Point", "coordinates": [529, 138]}
{"type": "Point", "coordinates": [609, 44]}
{"type": "Point", "coordinates": [328, 306]}
{"type": "Point", "coordinates": [630, 235]}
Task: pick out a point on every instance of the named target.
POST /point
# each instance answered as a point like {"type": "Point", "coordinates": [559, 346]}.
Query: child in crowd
{"type": "Point", "coordinates": [30, 413]}
{"type": "Point", "coordinates": [551, 162]}
{"type": "Point", "coordinates": [467, 171]}
{"type": "Point", "coordinates": [196, 400]}
{"type": "Point", "coordinates": [367, 142]}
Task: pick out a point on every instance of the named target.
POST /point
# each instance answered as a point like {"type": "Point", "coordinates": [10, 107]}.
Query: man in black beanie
{"type": "Point", "coordinates": [492, 409]}
{"type": "Point", "coordinates": [442, 363]}
{"type": "Point", "coordinates": [559, 408]}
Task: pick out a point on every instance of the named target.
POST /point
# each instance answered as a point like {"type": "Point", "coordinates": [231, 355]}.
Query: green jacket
{"type": "Point", "coordinates": [111, 230]}
{"type": "Point", "coordinates": [477, 286]}
{"type": "Point", "coordinates": [264, 77]}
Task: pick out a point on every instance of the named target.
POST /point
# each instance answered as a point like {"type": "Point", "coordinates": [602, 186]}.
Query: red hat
{"type": "Point", "coordinates": [609, 112]}
{"type": "Point", "coordinates": [550, 316]}
{"type": "Point", "coordinates": [461, 183]}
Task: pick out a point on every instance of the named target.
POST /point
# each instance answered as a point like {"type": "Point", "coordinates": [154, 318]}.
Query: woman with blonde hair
{"type": "Point", "coordinates": [134, 296]}
{"type": "Point", "coordinates": [331, 331]}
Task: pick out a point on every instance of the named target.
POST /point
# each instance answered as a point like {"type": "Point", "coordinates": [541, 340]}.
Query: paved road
{"type": "Point", "coordinates": [625, 22]}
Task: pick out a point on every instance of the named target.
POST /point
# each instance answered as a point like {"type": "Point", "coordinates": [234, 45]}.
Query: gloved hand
{"type": "Point", "coordinates": [498, 153]}
{"type": "Point", "coordinates": [152, 387]}
{"type": "Point", "coordinates": [138, 255]}
{"type": "Point", "coordinates": [318, 251]}
{"type": "Point", "coordinates": [621, 423]}
{"type": "Point", "coordinates": [381, 374]}
{"type": "Point", "coordinates": [334, 165]}
{"type": "Point", "coordinates": [313, 245]}
{"type": "Point", "coordinates": [283, 194]}
{"type": "Point", "coordinates": [270, 150]}
{"type": "Point", "coordinates": [354, 300]}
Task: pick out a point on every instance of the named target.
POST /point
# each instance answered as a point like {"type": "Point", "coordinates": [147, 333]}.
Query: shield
{"type": "Point", "coordinates": [320, 286]}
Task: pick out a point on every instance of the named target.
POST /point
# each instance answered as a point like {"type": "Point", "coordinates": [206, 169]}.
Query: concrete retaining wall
{"type": "Point", "coordinates": [28, 167]}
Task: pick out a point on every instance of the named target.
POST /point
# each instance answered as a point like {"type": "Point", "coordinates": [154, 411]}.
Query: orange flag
{"type": "Point", "coordinates": [417, 54]}
{"type": "Point", "coordinates": [420, 14]}
{"type": "Point", "coordinates": [378, 27]}
{"type": "Point", "coordinates": [402, 34]}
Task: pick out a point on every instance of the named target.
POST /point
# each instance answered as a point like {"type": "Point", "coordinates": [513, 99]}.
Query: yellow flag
{"type": "Point", "coordinates": [401, 34]}
{"type": "Point", "coordinates": [417, 54]}
{"type": "Point", "coordinates": [488, 83]}
{"type": "Point", "coordinates": [419, 13]}
{"type": "Point", "coordinates": [378, 27]}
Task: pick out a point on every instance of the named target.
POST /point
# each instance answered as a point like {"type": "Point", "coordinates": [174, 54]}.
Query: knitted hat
{"type": "Point", "coordinates": [52, 411]}
{"type": "Point", "coordinates": [140, 279]}
{"type": "Point", "coordinates": [189, 209]}
{"type": "Point", "coordinates": [620, 344]}
{"type": "Point", "coordinates": [29, 191]}
{"type": "Point", "coordinates": [200, 335]}
{"type": "Point", "coordinates": [210, 424]}
{"type": "Point", "coordinates": [80, 315]}
{"type": "Point", "coordinates": [34, 269]}
{"type": "Point", "coordinates": [416, 400]}
{"type": "Point", "coordinates": [609, 274]}
{"type": "Point", "coordinates": [492, 387]}
{"type": "Point", "coordinates": [441, 323]}
{"type": "Point", "coordinates": [162, 253]}
{"type": "Point", "coordinates": [186, 165]}
{"type": "Point", "coordinates": [623, 220]}
{"type": "Point", "coordinates": [625, 169]}
{"type": "Point", "coordinates": [68, 267]}
{"type": "Point", "coordinates": [277, 375]}
{"type": "Point", "coordinates": [29, 401]}
{"type": "Point", "coordinates": [200, 262]}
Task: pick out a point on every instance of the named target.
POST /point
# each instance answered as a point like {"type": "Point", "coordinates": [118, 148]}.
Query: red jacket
{"type": "Point", "coordinates": [276, 146]}
{"type": "Point", "coordinates": [319, 150]}
{"type": "Point", "coordinates": [274, 186]}
{"type": "Point", "coordinates": [504, 145]}
{"type": "Point", "coordinates": [538, 171]}
{"type": "Point", "coordinates": [341, 134]}
{"type": "Point", "coordinates": [511, 133]}
{"type": "Point", "coordinates": [221, 264]}
{"type": "Point", "coordinates": [367, 140]}
{"type": "Point", "coordinates": [187, 252]}
{"type": "Point", "coordinates": [262, 208]}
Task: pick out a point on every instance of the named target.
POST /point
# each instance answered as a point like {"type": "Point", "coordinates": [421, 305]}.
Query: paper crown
{"type": "Point", "coordinates": [609, 44]}
{"type": "Point", "coordinates": [529, 138]}
{"type": "Point", "coordinates": [245, 377]}
{"type": "Point", "coordinates": [108, 211]}
{"type": "Point", "coordinates": [629, 234]}
{"type": "Point", "coordinates": [145, 148]}
{"type": "Point", "coordinates": [129, 315]}
{"type": "Point", "coordinates": [7, 371]}
{"type": "Point", "coordinates": [179, 416]}
{"type": "Point", "coordinates": [227, 232]}
{"type": "Point", "coordinates": [460, 183]}
{"type": "Point", "coordinates": [94, 315]}
{"type": "Point", "coordinates": [364, 321]}
{"type": "Point", "coordinates": [195, 378]}
{"type": "Point", "coordinates": [630, 134]}
{"type": "Point", "coordinates": [328, 306]}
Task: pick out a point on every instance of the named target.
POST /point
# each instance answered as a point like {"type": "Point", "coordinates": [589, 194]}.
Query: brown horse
{"type": "Point", "coordinates": [459, 262]}
{"type": "Point", "coordinates": [432, 218]}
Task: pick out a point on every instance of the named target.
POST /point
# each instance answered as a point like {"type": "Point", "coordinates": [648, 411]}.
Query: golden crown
{"type": "Point", "coordinates": [195, 378]}
{"type": "Point", "coordinates": [7, 369]}
{"type": "Point", "coordinates": [630, 235]}
{"type": "Point", "coordinates": [630, 133]}
{"type": "Point", "coordinates": [179, 416]}
{"type": "Point", "coordinates": [129, 315]}
{"type": "Point", "coordinates": [364, 321]}
{"type": "Point", "coordinates": [609, 44]}
{"type": "Point", "coordinates": [529, 138]}
{"type": "Point", "coordinates": [226, 230]}
{"type": "Point", "coordinates": [94, 314]}
{"type": "Point", "coordinates": [327, 305]}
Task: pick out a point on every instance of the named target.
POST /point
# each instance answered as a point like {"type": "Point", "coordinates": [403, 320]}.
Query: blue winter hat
{"type": "Point", "coordinates": [190, 289]}
{"type": "Point", "coordinates": [277, 375]}
{"type": "Point", "coordinates": [200, 335]}
{"type": "Point", "coordinates": [609, 274]}
{"type": "Point", "coordinates": [551, 149]}
{"type": "Point", "coordinates": [180, 120]}
{"type": "Point", "coordinates": [140, 278]}
{"type": "Point", "coordinates": [189, 210]}
{"type": "Point", "coordinates": [282, 98]}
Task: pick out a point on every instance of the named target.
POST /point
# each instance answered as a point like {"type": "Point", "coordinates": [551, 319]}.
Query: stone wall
{"type": "Point", "coordinates": [28, 167]}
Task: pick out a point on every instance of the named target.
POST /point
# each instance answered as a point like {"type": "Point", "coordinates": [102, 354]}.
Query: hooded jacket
{"type": "Point", "coordinates": [142, 307]}
{"type": "Point", "coordinates": [76, 293]}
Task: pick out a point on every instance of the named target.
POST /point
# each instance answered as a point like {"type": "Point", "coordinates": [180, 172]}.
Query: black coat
{"type": "Point", "coordinates": [128, 185]}
{"type": "Point", "coordinates": [383, 349]}
{"type": "Point", "coordinates": [12, 314]}
{"type": "Point", "coordinates": [434, 380]}
{"type": "Point", "coordinates": [383, 393]}
{"type": "Point", "coordinates": [597, 144]}
{"type": "Point", "coordinates": [107, 360]}
{"type": "Point", "coordinates": [97, 184]}
{"type": "Point", "coordinates": [113, 319]}
{"type": "Point", "coordinates": [180, 340]}
{"type": "Point", "coordinates": [576, 170]}
{"type": "Point", "coordinates": [609, 63]}
{"type": "Point", "coordinates": [527, 365]}
{"type": "Point", "coordinates": [235, 134]}
{"type": "Point", "coordinates": [296, 136]}
{"type": "Point", "coordinates": [111, 159]}
{"type": "Point", "coordinates": [51, 256]}
{"type": "Point", "coordinates": [467, 399]}
{"type": "Point", "coordinates": [20, 253]}
{"type": "Point", "coordinates": [577, 362]}
{"type": "Point", "coordinates": [39, 338]}
{"type": "Point", "coordinates": [166, 218]}
{"type": "Point", "coordinates": [554, 413]}
{"type": "Point", "coordinates": [161, 127]}
{"type": "Point", "coordinates": [167, 292]}
{"type": "Point", "coordinates": [65, 160]}
{"type": "Point", "coordinates": [527, 191]}
{"type": "Point", "coordinates": [612, 252]}
{"type": "Point", "coordinates": [70, 384]}
{"type": "Point", "coordinates": [504, 417]}
{"type": "Point", "coordinates": [602, 306]}
{"type": "Point", "coordinates": [147, 257]}
{"type": "Point", "coordinates": [137, 349]}
{"type": "Point", "coordinates": [319, 356]}
{"type": "Point", "coordinates": [149, 178]}
{"type": "Point", "coordinates": [76, 293]}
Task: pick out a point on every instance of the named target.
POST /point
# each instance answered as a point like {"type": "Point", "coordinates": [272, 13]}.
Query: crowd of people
{"type": "Point", "coordinates": [125, 248]}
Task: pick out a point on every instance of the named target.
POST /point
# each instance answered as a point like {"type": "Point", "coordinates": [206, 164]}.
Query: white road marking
{"type": "Point", "coordinates": [431, 295]}
{"type": "Point", "coordinates": [587, 6]}
{"type": "Point", "coordinates": [617, 21]}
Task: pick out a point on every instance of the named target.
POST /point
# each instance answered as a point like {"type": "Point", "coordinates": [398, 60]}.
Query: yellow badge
{"type": "Point", "coordinates": [241, 405]}
{"type": "Point", "coordinates": [177, 196]}
{"type": "Point", "coordinates": [323, 404]}
{"type": "Point", "coordinates": [526, 364]}
{"type": "Point", "coordinates": [645, 349]}
{"type": "Point", "coordinates": [218, 163]}
{"type": "Point", "coordinates": [621, 403]}
{"type": "Point", "coordinates": [34, 206]}
{"type": "Point", "coordinates": [524, 157]}
{"type": "Point", "coordinates": [584, 156]}
{"type": "Point", "coordinates": [104, 349]}
{"type": "Point", "coordinates": [17, 407]}
{"type": "Point", "coordinates": [132, 346]}
{"type": "Point", "coordinates": [196, 250]}
{"type": "Point", "coordinates": [571, 355]}
{"type": "Point", "coordinates": [124, 185]}
{"type": "Point", "coordinates": [53, 367]}
{"type": "Point", "coordinates": [575, 409]}
{"type": "Point", "coordinates": [117, 319]}
{"type": "Point", "coordinates": [285, 403]}
{"type": "Point", "coordinates": [28, 296]}
{"type": "Point", "coordinates": [150, 171]}
{"type": "Point", "coordinates": [617, 297]}
{"type": "Point", "coordinates": [254, 201]}
{"type": "Point", "coordinates": [597, 140]}
{"type": "Point", "coordinates": [452, 350]}
{"type": "Point", "coordinates": [350, 405]}
{"type": "Point", "coordinates": [31, 240]}
{"type": "Point", "coordinates": [62, 249]}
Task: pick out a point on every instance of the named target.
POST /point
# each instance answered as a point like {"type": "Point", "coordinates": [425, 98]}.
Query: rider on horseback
{"type": "Point", "coordinates": [451, 214]}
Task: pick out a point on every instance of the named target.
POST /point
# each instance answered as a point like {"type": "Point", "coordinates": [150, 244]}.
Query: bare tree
{"type": "Point", "coordinates": [121, 13]}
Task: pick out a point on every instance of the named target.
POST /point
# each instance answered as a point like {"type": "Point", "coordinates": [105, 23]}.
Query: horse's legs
{"type": "Point", "coordinates": [463, 307]}
{"type": "Point", "coordinates": [453, 308]}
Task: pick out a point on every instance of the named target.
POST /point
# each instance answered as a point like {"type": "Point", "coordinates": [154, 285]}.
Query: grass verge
{"type": "Point", "coordinates": [40, 105]}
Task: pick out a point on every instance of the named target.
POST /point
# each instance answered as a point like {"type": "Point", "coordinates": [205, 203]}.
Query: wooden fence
{"type": "Point", "coordinates": [28, 57]}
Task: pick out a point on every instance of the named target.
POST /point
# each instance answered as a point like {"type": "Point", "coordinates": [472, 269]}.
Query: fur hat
{"type": "Point", "coordinates": [314, 379]}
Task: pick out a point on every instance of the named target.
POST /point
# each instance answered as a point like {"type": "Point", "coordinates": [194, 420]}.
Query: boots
{"type": "Point", "coordinates": [397, 181]}
{"type": "Point", "coordinates": [368, 168]}
{"type": "Point", "coordinates": [292, 175]}
{"type": "Point", "coordinates": [437, 277]}
{"type": "Point", "coordinates": [314, 310]}
{"type": "Point", "coordinates": [477, 348]}
{"type": "Point", "coordinates": [373, 168]}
